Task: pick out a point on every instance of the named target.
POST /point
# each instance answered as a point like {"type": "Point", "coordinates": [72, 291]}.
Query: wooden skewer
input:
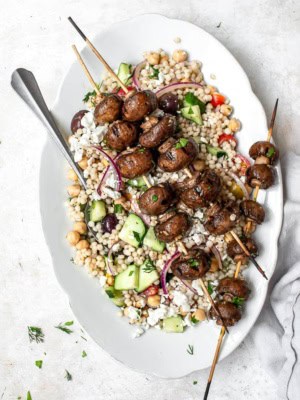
{"type": "Point", "coordinates": [86, 71]}
{"type": "Point", "coordinates": [218, 347]}
{"type": "Point", "coordinates": [270, 132]}
{"type": "Point", "coordinates": [98, 55]}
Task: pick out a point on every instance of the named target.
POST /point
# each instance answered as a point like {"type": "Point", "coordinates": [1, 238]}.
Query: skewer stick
{"type": "Point", "coordinates": [86, 71]}
{"type": "Point", "coordinates": [270, 132]}
{"type": "Point", "coordinates": [218, 348]}
{"type": "Point", "coordinates": [98, 55]}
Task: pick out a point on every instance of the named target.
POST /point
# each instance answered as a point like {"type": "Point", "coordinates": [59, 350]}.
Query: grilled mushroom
{"type": "Point", "coordinates": [137, 106]}
{"type": "Point", "coordinates": [229, 312]}
{"type": "Point", "coordinates": [156, 200]}
{"type": "Point", "coordinates": [264, 152]}
{"type": "Point", "coordinates": [108, 110]}
{"type": "Point", "coordinates": [120, 135]}
{"type": "Point", "coordinates": [191, 266]}
{"type": "Point", "coordinates": [253, 211]}
{"type": "Point", "coordinates": [173, 227]}
{"type": "Point", "coordinates": [177, 154]}
{"type": "Point", "coordinates": [155, 134]}
{"type": "Point", "coordinates": [260, 175]}
{"type": "Point", "coordinates": [136, 163]}
{"type": "Point", "coordinates": [232, 288]}
{"type": "Point", "coordinates": [235, 251]}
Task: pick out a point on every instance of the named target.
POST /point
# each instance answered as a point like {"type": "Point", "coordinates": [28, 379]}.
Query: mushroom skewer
{"type": "Point", "coordinates": [237, 239]}
{"type": "Point", "coordinates": [149, 185]}
{"type": "Point", "coordinates": [256, 190]}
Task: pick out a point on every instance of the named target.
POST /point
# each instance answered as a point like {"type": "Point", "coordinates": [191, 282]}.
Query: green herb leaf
{"type": "Point", "coordinates": [131, 273]}
{"type": "Point", "coordinates": [190, 349]}
{"type": "Point", "coordinates": [35, 334]}
{"type": "Point", "coordinates": [118, 208]}
{"type": "Point", "coordinates": [88, 95]}
{"type": "Point", "coordinates": [194, 320]}
{"type": "Point", "coordinates": [195, 382]}
{"type": "Point", "coordinates": [193, 263]}
{"type": "Point", "coordinates": [141, 150]}
{"type": "Point", "coordinates": [69, 323]}
{"type": "Point", "coordinates": [191, 100]}
{"type": "Point", "coordinates": [238, 301]}
{"type": "Point", "coordinates": [63, 327]}
{"type": "Point", "coordinates": [28, 396]}
{"type": "Point", "coordinates": [68, 376]}
{"type": "Point", "coordinates": [270, 152]}
{"type": "Point", "coordinates": [110, 294]}
{"type": "Point", "coordinates": [154, 74]}
{"type": "Point", "coordinates": [222, 154]}
{"type": "Point", "coordinates": [149, 266]}
{"type": "Point", "coordinates": [39, 363]}
{"type": "Point", "coordinates": [182, 142]}
{"type": "Point", "coordinates": [83, 354]}
{"type": "Point", "coordinates": [154, 198]}
{"type": "Point", "coordinates": [209, 288]}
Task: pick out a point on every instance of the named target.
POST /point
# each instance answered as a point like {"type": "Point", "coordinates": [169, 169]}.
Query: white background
{"type": "Point", "coordinates": [35, 34]}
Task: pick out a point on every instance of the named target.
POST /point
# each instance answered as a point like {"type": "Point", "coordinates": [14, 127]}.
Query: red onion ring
{"type": "Point", "coordinates": [175, 86]}
{"type": "Point", "coordinates": [239, 183]}
{"type": "Point", "coordinates": [114, 168]}
{"type": "Point", "coordinates": [189, 286]}
{"type": "Point", "coordinates": [217, 254]}
{"type": "Point", "coordinates": [136, 74]}
{"type": "Point", "coordinates": [165, 269]}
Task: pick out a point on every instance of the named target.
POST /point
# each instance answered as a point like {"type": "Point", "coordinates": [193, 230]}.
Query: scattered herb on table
{"type": "Point", "coordinates": [195, 382]}
{"type": "Point", "coordinates": [68, 376]}
{"type": "Point", "coordinates": [83, 338]}
{"type": "Point", "coordinates": [64, 327]}
{"type": "Point", "coordinates": [35, 334]}
{"type": "Point", "coordinates": [190, 349]}
{"type": "Point", "coordinates": [39, 363]}
{"type": "Point", "coordinates": [219, 24]}
{"type": "Point", "coordinates": [83, 354]}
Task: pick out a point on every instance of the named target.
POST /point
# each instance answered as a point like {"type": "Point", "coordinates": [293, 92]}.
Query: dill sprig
{"type": "Point", "coordinates": [64, 327]}
{"type": "Point", "coordinates": [68, 376]}
{"type": "Point", "coordinates": [148, 266]}
{"type": "Point", "coordinates": [35, 334]}
{"type": "Point", "coordinates": [190, 349]}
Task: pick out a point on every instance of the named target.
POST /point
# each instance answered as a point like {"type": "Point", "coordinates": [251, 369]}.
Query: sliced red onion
{"type": "Point", "coordinates": [217, 255]}
{"type": "Point", "coordinates": [189, 286]}
{"type": "Point", "coordinates": [109, 260]}
{"type": "Point", "coordinates": [163, 276]}
{"type": "Point", "coordinates": [136, 74]}
{"type": "Point", "coordinates": [135, 207]}
{"type": "Point", "coordinates": [239, 183]}
{"type": "Point", "coordinates": [111, 168]}
{"type": "Point", "coordinates": [176, 86]}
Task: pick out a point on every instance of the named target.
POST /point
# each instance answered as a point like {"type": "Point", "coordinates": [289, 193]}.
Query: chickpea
{"type": "Point", "coordinates": [82, 244]}
{"type": "Point", "coordinates": [234, 125]}
{"type": "Point", "coordinates": [212, 89]}
{"type": "Point", "coordinates": [153, 58]}
{"type": "Point", "coordinates": [164, 58]}
{"type": "Point", "coordinates": [214, 265]}
{"type": "Point", "coordinates": [153, 301]}
{"type": "Point", "coordinates": [73, 190]}
{"type": "Point", "coordinates": [71, 175]}
{"type": "Point", "coordinates": [83, 164]}
{"type": "Point", "coordinates": [199, 165]}
{"type": "Point", "coordinates": [73, 238]}
{"type": "Point", "coordinates": [180, 56]}
{"type": "Point", "coordinates": [110, 280]}
{"type": "Point", "coordinates": [226, 109]}
{"type": "Point", "coordinates": [80, 227]}
{"type": "Point", "coordinates": [199, 314]}
{"type": "Point", "coordinates": [183, 313]}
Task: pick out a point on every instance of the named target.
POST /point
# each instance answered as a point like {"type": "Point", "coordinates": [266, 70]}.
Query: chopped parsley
{"type": "Point", "coordinates": [194, 320]}
{"type": "Point", "coordinates": [190, 349]}
{"type": "Point", "coordinates": [83, 354]}
{"type": "Point", "coordinates": [68, 376]}
{"type": "Point", "coordinates": [141, 150]}
{"type": "Point", "coordinates": [148, 266]}
{"type": "Point", "coordinates": [154, 198]}
{"type": "Point", "coordinates": [182, 142]}
{"type": "Point", "coordinates": [63, 327]}
{"type": "Point", "coordinates": [154, 74]}
{"type": "Point", "coordinates": [209, 288]}
{"type": "Point", "coordinates": [39, 363]}
{"type": "Point", "coordinates": [270, 152]}
{"type": "Point", "coordinates": [195, 382]}
{"type": "Point", "coordinates": [193, 263]}
{"type": "Point", "coordinates": [238, 301]}
{"type": "Point", "coordinates": [35, 334]}
{"type": "Point", "coordinates": [88, 95]}
{"type": "Point", "coordinates": [222, 153]}
{"type": "Point", "coordinates": [118, 208]}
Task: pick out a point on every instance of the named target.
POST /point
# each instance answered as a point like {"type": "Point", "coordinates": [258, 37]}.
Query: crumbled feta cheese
{"type": "Point", "coordinates": [161, 78]}
{"type": "Point", "coordinates": [196, 285]}
{"type": "Point", "coordinates": [133, 313]}
{"type": "Point", "coordinates": [87, 121]}
{"type": "Point", "coordinates": [138, 332]}
{"type": "Point", "coordinates": [102, 280]}
{"type": "Point", "coordinates": [156, 315]}
{"type": "Point", "coordinates": [181, 300]}
{"type": "Point", "coordinates": [111, 193]}
{"type": "Point", "coordinates": [187, 321]}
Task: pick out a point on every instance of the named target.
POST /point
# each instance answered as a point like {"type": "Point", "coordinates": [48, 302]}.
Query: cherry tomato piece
{"type": "Point", "coordinates": [151, 291]}
{"type": "Point", "coordinates": [227, 138]}
{"type": "Point", "coordinates": [217, 99]}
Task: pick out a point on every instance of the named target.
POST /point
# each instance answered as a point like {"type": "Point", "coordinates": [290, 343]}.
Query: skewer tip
{"type": "Point", "coordinates": [206, 391]}
{"type": "Point", "coordinates": [77, 28]}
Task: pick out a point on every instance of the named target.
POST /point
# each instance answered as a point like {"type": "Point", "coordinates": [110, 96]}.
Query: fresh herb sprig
{"type": "Point", "coordinates": [148, 266]}
{"type": "Point", "coordinates": [35, 334]}
{"type": "Point", "coordinates": [68, 376]}
{"type": "Point", "coordinates": [64, 327]}
{"type": "Point", "coordinates": [182, 142]}
{"type": "Point", "coordinates": [190, 349]}
{"type": "Point", "coordinates": [39, 363]}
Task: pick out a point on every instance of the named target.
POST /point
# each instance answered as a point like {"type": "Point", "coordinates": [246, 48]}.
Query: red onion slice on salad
{"type": "Point", "coordinates": [136, 74]}
{"type": "Point", "coordinates": [217, 254]}
{"type": "Point", "coordinates": [176, 86]}
{"type": "Point", "coordinates": [163, 276]}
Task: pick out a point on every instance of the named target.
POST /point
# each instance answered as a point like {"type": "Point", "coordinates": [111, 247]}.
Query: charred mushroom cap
{"type": "Point", "coordinates": [253, 210]}
{"type": "Point", "coordinates": [207, 188]}
{"type": "Point", "coordinates": [154, 136]}
{"type": "Point", "coordinates": [156, 200]}
{"type": "Point", "coordinates": [229, 312]}
{"type": "Point", "coordinates": [264, 149]}
{"type": "Point", "coordinates": [108, 110]}
{"type": "Point", "coordinates": [177, 154]}
{"type": "Point", "coordinates": [235, 251]}
{"type": "Point", "coordinates": [191, 266]}
{"type": "Point", "coordinates": [139, 105]}
{"type": "Point", "coordinates": [136, 163]}
{"type": "Point", "coordinates": [120, 135]}
{"type": "Point", "coordinates": [260, 175]}
{"type": "Point", "coordinates": [234, 287]}
{"type": "Point", "coordinates": [222, 219]}
{"type": "Point", "coordinates": [177, 225]}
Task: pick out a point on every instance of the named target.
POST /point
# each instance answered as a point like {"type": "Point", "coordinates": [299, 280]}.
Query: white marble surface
{"type": "Point", "coordinates": [263, 36]}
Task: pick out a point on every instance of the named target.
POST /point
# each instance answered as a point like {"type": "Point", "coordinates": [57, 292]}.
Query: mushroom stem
{"type": "Point", "coordinates": [98, 55]}
{"type": "Point", "coordinates": [86, 71]}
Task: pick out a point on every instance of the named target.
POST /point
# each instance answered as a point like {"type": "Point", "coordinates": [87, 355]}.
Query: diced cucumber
{"type": "Point", "coordinates": [151, 241]}
{"type": "Point", "coordinates": [138, 182]}
{"type": "Point", "coordinates": [127, 279]}
{"type": "Point", "coordinates": [124, 72]}
{"type": "Point", "coordinates": [147, 275]}
{"type": "Point", "coordinates": [192, 113]}
{"type": "Point", "coordinates": [116, 296]}
{"type": "Point", "coordinates": [97, 210]}
{"type": "Point", "coordinates": [133, 230]}
{"type": "Point", "coordinates": [191, 100]}
{"type": "Point", "coordinates": [216, 151]}
{"type": "Point", "coordinates": [173, 324]}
